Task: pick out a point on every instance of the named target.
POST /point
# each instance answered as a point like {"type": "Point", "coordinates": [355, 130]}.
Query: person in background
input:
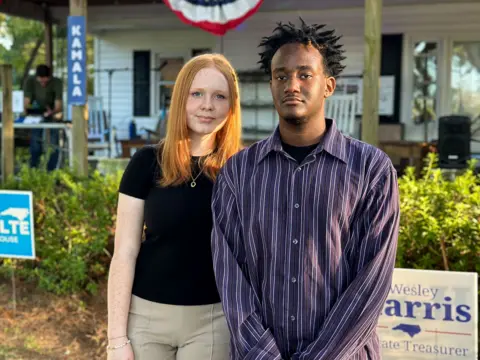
{"type": "Point", "coordinates": [162, 298]}
{"type": "Point", "coordinates": [305, 221]}
{"type": "Point", "coordinates": [43, 95]}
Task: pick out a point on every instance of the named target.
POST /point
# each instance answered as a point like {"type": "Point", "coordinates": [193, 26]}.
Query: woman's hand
{"type": "Point", "coordinates": [123, 353]}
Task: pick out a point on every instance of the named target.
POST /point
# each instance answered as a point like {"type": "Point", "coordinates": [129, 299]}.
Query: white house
{"type": "Point", "coordinates": [434, 40]}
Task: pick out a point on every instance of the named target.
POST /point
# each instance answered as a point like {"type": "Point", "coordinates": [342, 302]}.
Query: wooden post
{"type": "Point", "coordinates": [48, 54]}
{"type": "Point", "coordinates": [48, 40]}
{"type": "Point", "coordinates": [371, 72]}
{"type": "Point", "coordinates": [79, 115]}
{"type": "Point", "coordinates": [8, 153]}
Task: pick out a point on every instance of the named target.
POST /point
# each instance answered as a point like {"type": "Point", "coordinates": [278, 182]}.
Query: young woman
{"type": "Point", "coordinates": [163, 302]}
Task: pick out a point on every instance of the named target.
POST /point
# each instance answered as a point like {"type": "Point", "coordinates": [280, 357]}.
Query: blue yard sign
{"type": "Point", "coordinates": [17, 238]}
{"type": "Point", "coordinates": [77, 61]}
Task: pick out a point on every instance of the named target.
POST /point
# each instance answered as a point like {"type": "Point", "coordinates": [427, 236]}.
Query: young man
{"type": "Point", "coordinates": [43, 95]}
{"type": "Point", "coordinates": [306, 221]}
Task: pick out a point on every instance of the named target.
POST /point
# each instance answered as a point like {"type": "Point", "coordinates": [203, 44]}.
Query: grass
{"type": "Point", "coordinates": [46, 326]}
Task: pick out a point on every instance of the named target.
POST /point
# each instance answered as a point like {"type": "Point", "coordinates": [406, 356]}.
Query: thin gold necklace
{"type": "Point", "coordinates": [194, 183]}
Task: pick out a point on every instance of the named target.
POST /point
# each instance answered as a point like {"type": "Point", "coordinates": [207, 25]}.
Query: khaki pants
{"type": "Point", "coordinates": [168, 332]}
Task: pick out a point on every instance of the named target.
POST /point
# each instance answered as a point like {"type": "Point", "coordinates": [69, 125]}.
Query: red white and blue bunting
{"type": "Point", "coordinates": [214, 16]}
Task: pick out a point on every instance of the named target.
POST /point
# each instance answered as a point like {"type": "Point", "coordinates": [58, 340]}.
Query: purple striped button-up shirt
{"type": "Point", "coordinates": [304, 253]}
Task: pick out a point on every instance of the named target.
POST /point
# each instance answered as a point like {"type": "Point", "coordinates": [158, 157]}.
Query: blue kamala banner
{"type": "Point", "coordinates": [17, 238]}
{"type": "Point", "coordinates": [77, 61]}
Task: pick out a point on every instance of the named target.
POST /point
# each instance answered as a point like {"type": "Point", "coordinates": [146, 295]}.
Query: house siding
{"type": "Point", "coordinates": [114, 48]}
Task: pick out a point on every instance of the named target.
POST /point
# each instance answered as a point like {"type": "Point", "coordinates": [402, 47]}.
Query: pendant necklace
{"type": "Point", "coordinates": [194, 183]}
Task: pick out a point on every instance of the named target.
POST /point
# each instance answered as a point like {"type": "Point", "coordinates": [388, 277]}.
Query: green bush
{"type": "Point", "coordinates": [74, 223]}
{"type": "Point", "coordinates": [439, 222]}
{"type": "Point", "coordinates": [75, 219]}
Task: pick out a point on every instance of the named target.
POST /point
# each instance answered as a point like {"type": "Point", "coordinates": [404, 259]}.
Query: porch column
{"type": "Point", "coordinates": [7, 154]}
{"type": "Point", "coordinates": [371, 72]}
{"type": "Point", "coordinates": [79, 113]}
{"type": "Point", "coordinates": [48, 39]}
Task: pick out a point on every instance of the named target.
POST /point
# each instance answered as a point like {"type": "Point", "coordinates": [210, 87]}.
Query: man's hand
{"type": "Point", "coordinates": [48, 113]}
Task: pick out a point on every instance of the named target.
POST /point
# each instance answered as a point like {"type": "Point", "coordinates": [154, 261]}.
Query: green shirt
{"type": "Point", "coordinates": [44, 96]}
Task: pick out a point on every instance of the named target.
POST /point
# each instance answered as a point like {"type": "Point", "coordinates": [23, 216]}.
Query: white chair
{"type": "Point", "coordinates": [342, 108]}
{"type": "Point", "coordinates": [100, 134]}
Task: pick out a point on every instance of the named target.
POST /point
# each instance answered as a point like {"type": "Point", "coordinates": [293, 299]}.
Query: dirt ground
{"type": "Point", "coordinates": [46, 326]}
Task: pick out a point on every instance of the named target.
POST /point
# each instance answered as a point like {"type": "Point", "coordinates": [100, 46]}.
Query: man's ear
{"type": "Point", "coordinates": [330, 85]}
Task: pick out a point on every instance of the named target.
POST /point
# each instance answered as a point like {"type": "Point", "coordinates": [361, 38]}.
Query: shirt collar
{"type": "Point", "coordinates": [333, 142]}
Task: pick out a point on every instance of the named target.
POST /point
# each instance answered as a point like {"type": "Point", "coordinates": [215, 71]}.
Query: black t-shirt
{"type": "Point", "coordinates": [174, 265]}
{"type": "Point", "coordinates": [299, 153]}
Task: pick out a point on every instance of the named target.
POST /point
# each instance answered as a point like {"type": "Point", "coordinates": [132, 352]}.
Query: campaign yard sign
{"type": "Point", "coordinates": [17, 238]}
{"type": "Point", "coordinates": [430, 315]}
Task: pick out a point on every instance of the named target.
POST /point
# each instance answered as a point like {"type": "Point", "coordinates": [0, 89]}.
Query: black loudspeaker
{"type": "Point", "coordinates": [454, 136]}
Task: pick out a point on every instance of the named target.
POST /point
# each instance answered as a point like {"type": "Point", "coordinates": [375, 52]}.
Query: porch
{"type": "Point", "coordinates": [426, 54]}
{"type": "Point", "coordinates": [425, 49]}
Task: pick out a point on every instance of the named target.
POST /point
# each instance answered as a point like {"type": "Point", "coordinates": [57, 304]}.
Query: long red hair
{"type": "Point", "coordinates": [174, 156]}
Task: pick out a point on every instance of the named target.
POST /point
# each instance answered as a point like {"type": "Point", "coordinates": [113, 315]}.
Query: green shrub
{"type": "Point", "coordinates": [439, 222]}
{"type": "Point", "coordinates": [74, 223]}
{"type": "Point", "coordinates": [75, 219]}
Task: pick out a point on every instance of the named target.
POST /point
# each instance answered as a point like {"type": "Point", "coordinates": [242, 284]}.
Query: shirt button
{"type": "Point", "coordinates": [292, 318]}
{"type": "Point", "coordinates": [294, 280]}
{"type": "Point", "coordinates": [297, 205]}
{"type": "Point", "coordinates": [295, 241]}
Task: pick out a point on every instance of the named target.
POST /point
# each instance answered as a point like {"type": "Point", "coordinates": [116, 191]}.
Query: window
{"type": "Point", "coordinates": [196, 52]}
{"type": "Point", "coordinates": [425, 77]}
{"type": "Point", "coordinates": [465, 80]}
{"type": "Point", "coordinates": [166, 74]}
{"type": "Point", "coordinates": [141, 83]}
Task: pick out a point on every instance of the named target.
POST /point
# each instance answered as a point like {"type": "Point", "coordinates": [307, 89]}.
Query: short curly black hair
{"type": "Point", "coordinates": [324, 41]}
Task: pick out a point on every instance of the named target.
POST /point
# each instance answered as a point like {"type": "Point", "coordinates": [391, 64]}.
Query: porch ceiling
{"type": "Point", "coordinates": [65, 3]}
{"type": "Point", "coordinates": [115, 14]}
{"type": "Point", "coordinates": [268, 4]}
{"type": "Point", "coordinates": [272, 5]}
{"type": "Point", "coordinates": [36, 9]}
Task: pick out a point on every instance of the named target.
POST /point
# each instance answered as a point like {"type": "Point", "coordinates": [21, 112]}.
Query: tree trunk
{"type": "Point", "coordinates": [30, 61]}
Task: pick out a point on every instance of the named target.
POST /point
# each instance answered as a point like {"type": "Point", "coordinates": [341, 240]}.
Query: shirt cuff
{"type": "Point", "coordinates": [265, 349]}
